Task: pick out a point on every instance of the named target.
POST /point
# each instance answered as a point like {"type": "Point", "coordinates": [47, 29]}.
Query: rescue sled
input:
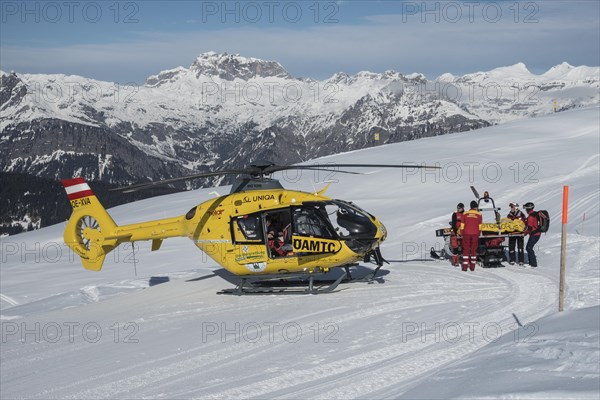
{"type": "Point", "coordinates": [490, 252]}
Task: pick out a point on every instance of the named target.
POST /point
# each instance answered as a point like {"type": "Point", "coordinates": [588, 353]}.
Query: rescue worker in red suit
{"type": "Point", "coordinates": [516, 214]}
{"type": "Point", "coordinates": [470, 229]}
{"type": "Point", "coordinates": [454, 240]}
{"type": "Point", "coordinates": [275, 245]}
{"type": "Point", "coordinates": [533, 232]}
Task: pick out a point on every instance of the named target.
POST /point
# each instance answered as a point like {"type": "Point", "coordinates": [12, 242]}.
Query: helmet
{"type": "Point", "coordinates": [528, 206]}
{"type": "Point", "coordinates": [473, 204]}
{"type": "Point", "coordinates": [460, 205]}
{"type": "Point", "coordinates": [514, 204]}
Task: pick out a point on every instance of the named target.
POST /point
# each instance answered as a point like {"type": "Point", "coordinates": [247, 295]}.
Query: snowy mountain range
{"type": "Point", "coordinates": [188, 118]}
{"type": "Point", "coordinates": [227, 110]}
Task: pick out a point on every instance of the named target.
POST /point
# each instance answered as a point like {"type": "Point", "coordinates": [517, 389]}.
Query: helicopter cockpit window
{"type": "Point", "coordinates": [312, 222]}
{"type": "Point", "coordinates": [247, 228]}
{"type": "Point", "coordinates": [349, 220]}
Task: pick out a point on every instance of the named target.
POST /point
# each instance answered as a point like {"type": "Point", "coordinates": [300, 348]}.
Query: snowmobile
{"type": "Point", "coordinates": [490, 252]}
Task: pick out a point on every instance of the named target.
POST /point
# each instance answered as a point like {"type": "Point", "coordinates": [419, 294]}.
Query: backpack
{"type": "Point", "coordinates": [543, 220]}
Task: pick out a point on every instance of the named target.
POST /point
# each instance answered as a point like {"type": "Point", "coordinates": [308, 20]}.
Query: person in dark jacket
{"type": "Point", "coordinates": [457, 217]}
{"type": "Point", "coordinates": [516, 214]}
{"type": "Point", "coordinates": [533, 232]}
{"type": "Point", "coordinates": [454, 240]}
{"type": "Point", "coordinates": [470, 229]}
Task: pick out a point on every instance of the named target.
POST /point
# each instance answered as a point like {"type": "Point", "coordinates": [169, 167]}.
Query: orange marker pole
{"type": "Point", "coordinates": [563, 249]}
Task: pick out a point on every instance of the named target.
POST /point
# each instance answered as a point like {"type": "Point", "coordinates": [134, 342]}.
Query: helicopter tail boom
{"type": "Point", "coordinates": [92, 233]}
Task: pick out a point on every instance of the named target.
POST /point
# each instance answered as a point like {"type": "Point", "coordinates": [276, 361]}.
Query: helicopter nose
{"type": "Point", "coordinates": [382, 234]}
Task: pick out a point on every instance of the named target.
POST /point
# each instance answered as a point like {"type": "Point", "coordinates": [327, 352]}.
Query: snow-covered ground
{"type": "Point", "coordinates": [157, 329]}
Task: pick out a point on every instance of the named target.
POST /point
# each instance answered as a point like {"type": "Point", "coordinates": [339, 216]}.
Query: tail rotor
{"type": "Point", "coordinates": [84, 225]}
{"type": "Point", "coordinates": [88, 230]}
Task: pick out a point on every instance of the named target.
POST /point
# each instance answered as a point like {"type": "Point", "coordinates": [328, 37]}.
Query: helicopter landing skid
{"type": "Point", "coordinates": [281, 284]}
{"type": "Point", "coordinates": [370, 277]}
{"type": "Point", "coordinates": [376, 258]}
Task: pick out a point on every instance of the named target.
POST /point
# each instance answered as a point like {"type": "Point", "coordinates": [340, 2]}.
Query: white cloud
{"type": "Point", "coordinates": [384, 42]}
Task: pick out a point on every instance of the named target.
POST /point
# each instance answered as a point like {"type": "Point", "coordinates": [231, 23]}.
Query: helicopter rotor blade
{"type": "Point", "coordinates": [310, 168]}
{"type": "Point", "coordinates": [369, 166]}
{"type": "Point", "coordinates": [249, 171]}
{"type": "Point", "coordinates": [148, 185]}
{"type": "Point", "coordinates": [265, 169]}
{"type": "Point", "coordinates": [331, 167]}
{"type": "Point", "coordinates": [334, 167]}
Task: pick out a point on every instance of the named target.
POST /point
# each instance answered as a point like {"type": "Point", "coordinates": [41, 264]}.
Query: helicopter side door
{"type": "Point", "coordinates": [249, 252]}
{"type": "Point", "coordinates": [278, 230]}
{"type": "Point", "coordinates": [262, 242]}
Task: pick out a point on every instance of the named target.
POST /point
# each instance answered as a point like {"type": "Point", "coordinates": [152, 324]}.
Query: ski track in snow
{"type": "Point", "coordinates": [392, 363]}
{"type": "Point", "coordinates": [8, 300]}
{"type": "Point", "coordinates": [366, 373]}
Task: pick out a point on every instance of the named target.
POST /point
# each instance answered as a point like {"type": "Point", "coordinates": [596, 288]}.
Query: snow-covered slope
{"type": "Point", "coordinates": [553, 358]}
{"type": "Point", "coordinates": [421, 330]}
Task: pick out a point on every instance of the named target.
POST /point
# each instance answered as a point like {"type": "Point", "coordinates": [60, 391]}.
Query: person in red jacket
{"type": "Point", "coordinates": [470, 229]}
{"type": "Point", "coordinates": [533, 232]}
{"type": "Point", "coordinates": [275, 245]}
{"type": "Point", "coordinates": [516, 214]}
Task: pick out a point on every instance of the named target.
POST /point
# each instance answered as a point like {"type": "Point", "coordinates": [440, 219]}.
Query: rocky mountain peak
{"type": "Point", "coordinates": [563, 67]}
{"type": "Point", "coordinates": [232, 66]}
{"type": "Point", "coordinates": [222, 65]}
{"type": "Point", "coordinates": [169, 75]}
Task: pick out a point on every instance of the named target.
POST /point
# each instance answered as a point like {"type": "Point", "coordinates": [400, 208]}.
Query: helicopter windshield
{"type": "Point", "coordinates": [348, 220]}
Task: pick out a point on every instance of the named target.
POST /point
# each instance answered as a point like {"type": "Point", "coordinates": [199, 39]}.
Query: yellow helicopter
{"type": "Point", "coordinates": [260, 231]}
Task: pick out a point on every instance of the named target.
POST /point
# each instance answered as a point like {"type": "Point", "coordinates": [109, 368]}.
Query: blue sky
{"type": "Point", "coordinates": [126, 41]}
